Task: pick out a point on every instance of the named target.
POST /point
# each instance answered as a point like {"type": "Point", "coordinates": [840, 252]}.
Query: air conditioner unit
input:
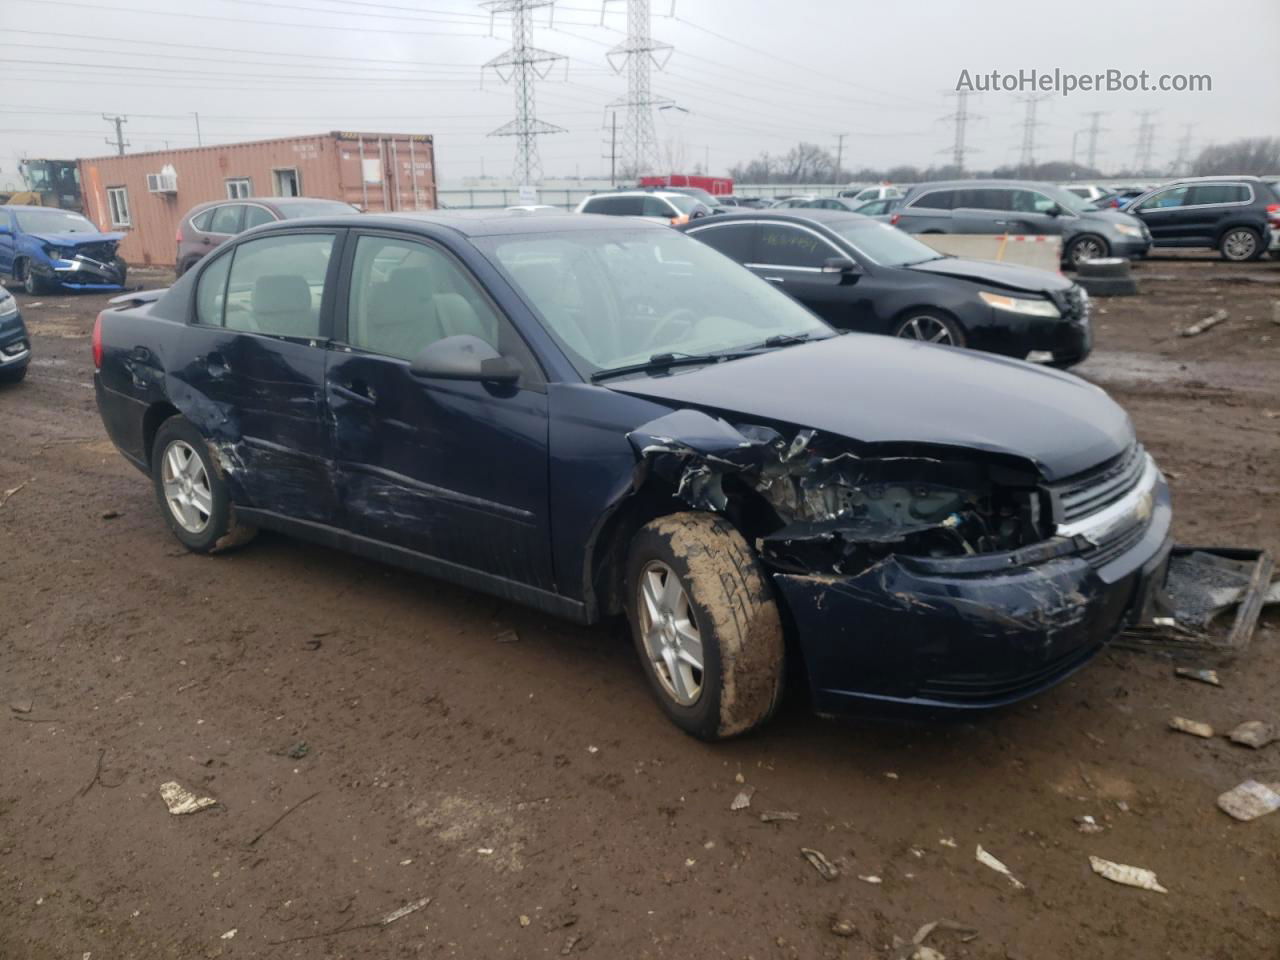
{"type": "Point", "coordinates": [162, 183]}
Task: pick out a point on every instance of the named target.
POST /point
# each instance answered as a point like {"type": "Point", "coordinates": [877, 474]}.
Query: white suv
{"type": "Point", "coordinates": [883, 192]}
{"type": "Point", "coordinates": [670, 208]}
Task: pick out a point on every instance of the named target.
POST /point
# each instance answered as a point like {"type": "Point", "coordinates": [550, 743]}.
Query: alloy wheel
{"type": "Point", "coordinates": [926, 328]}
{"type": "Point", "coordinates": [186, 487]}
{"type": "Point", "coordinates": [672, 640]}
{"type": "Point", "coordinates": [1087, 249]}
{"type": "Point", "coordinates": [1239, 245]}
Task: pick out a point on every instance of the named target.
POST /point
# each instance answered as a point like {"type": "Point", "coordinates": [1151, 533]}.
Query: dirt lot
{"type": "Point", "coordinates": [533, 791]}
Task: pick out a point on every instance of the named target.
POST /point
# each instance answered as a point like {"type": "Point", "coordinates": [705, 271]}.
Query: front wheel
{"type": "Point", "coordinates": [1240, 244]}
{"type": "Point", "coordinates": [1086, 247]}
{"type": "Point", "coordinates": [931, 327]}
{"type": "Point", "coordinates": [32, 283]}
{"type": "Point", "coordinates": [191, 491]}
{"type": "Point", "coordinates": [705, 624]}
{"type": "Point", "coordinates": [122, 268]}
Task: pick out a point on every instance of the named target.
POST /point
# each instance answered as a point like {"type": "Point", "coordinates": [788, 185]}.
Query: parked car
{"type": "Point", "coordinates": [664, 206]}
{"type": "Point", "coordinates": [46, 250]}
{"type": "Point", "coordinates": [879, 209]}
{"type": "Point", "coordinates": [15, 343]}
{"type": "Point", "coordinates": [709, 200]}
{"type": "Point", "coordinates": [209, 225]}
{"type": "Point", "coordinates": [1088, 192]}
{"type": "Point", "coordinates": [1233, 215]}
{"type": "Point", "coordinates": [817, 203]}
{"type": "Point", "coordinates": [860, 274]}
{"type": "Point", "coordinates": [754, 203]}
{"type": "Point", "coordinates": [863, 194]}
{"type": "Point", "coordinates": [1120, 198]}
{"type": "Point", "coordinates": [601, 417]}
{"type": "Point", "coordinates": [1022, 207]}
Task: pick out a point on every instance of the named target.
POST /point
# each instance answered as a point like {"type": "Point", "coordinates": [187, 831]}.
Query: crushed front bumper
{"type": "Point", "coordinates": [973, 632]}
{"type": "Point", "coordinates": [81, 272]}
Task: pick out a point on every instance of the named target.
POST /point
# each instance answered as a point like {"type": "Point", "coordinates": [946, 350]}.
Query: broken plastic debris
{"type": "Point", "coordinates": [843, 928]}
{"type": "Point", "coordinates": [1193, 727]}
{"type": "Point", "coordinates": [180, 800]}
{"type": "Point", "coordinates": [1087, 824]}
{"type": "Point", "coordinates": [988, 860]}
{"type": "Point", "coordinates": [948, 842]}
{"type": "Point", "coordinates": [826, 869]}
{"type": "Point", "coordinates": [230, 934]}
{"type": "Point", "coordinates": [739, 778]}
{"type": "Point", "coordinates": [593, 749]}
{"type": "Point", "coordinates": [524, 920]}
{"type": "Point", "coordinates": [1204, 676]}
{"type": "Point", "coordinates": [1127, 875]}
{"type": "Point", "coordinates": [1249, 800]}
{"type": "Point", "coordinates": [927, 953]}
{"type": "Point", "coordinates": [769, 816]}
{"type": "Point", "coordinates": [404, 911]}
{"type": "Point", "coordinates": [870, 878]}
{"type": "Point", "coordinates": [1253, 733]}
{"type": "Point", "coordinates": [1208, 323]}
{"type": "Point", "coordinates": [743, 799]}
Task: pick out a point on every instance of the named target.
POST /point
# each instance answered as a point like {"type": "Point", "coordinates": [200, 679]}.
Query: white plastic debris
{"type": "Point", "coordinates": [988, 860]}
{"type": "Point", "coordinates": [1253, 733]}
{"type": "Point", "coordinates": [1193, 727]}
{"type": "Point", "coordinates": [870, 878]}
{"type": "Point", "coordinates": [826, 869]}
{"type": "Point", "coordinates": [230, 934]}
{"type": "Point", "coordinates": [1124, 874]}
{"type": "Point", "coordinates": [1249, 800]}
{"type": "Point", "coordinates": [1087, 824]}
{"type": "Point", "coordinates": [743, 799]}
{"type": "Point", "coordinates": [404, 911]}
{"type": "Point", "coordinates": [948, 842]}
{"type": "Point", "coordinates": [1204, 676]}
{"type": "Point", "coordinates": [770, 816]}
{"type": "Point", "coordinates": [180, 800]}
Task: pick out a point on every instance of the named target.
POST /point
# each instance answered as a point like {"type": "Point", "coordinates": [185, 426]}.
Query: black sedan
{"type": "Point", "coordinates": [15, 344]}
{"type": "Point", "coordinates": [859, 274]}
{"type": "Point", "coordinates": [598, 416]}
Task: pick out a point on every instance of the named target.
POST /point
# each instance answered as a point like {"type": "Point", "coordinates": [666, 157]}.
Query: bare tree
{"type": "Point", "coordinates": [1253, 155]}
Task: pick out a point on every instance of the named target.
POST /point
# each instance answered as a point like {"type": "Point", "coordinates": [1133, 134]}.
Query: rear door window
{"type": "Point", "coordinates": [1218, 193]}
{"type": "Point", "coordinates": [201, 220]}
{"type": "Point", "coordinates": [936, 200]}
{"type": "Point", "coordinates": [255, 216]}
{"type": "Point", "coordinates": [656, 207]}
{"type": "Point", "coordinates": [615, 206]}
{"type": "Point", "coordinates": [277, 284]}
{"type": "Point", "coordinates": [734, 240]}
{"type": "Point", "coordinates": [227, 218]}
{"type": "Point", "coordinates": [1031, 201]}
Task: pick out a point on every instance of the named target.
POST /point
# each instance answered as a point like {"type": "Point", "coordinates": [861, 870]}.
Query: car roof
{"type": "Point", "coordinates": [1216, 178]}
{"type": "Point", "coordinates": [665, 191]}
{"type": "Point", "coordinates": [35, 206]}
{"type": "Point", "coordinates": [469, 223]}
{"type": "Point", "coordinates": [814, 214]}
{"type": "Point", "coordinates": [992, 182]}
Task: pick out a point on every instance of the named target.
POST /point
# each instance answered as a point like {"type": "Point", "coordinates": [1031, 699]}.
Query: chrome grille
{"type": "Point", "coordinates": [1087, 493]}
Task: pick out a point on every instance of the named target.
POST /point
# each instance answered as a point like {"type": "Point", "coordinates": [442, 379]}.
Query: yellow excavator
{"type": "Point", "coordinates": [47, 183]}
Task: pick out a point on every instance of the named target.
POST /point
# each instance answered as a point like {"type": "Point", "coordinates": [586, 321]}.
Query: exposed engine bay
{"type": "Point", "coordinates": [814, 505]}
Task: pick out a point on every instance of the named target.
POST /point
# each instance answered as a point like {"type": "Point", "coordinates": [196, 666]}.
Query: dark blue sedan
{"type": "Point", "coordinates": [15, 343]}
{"type": "Point", "coordinates": [601, 417]}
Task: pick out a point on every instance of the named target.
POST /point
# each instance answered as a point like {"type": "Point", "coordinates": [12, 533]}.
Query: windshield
{"type": "Point", "coordinates": [882, 243]}
{"type": "Point", "coordinates": [683, 202]}
{"type": "Point", "coordinates": [612, 298]}
{"type": "Point", "coordinates": [699, 194]}
{"type": "Point", "coordinates": [1066, 199]}
{"type": "Point", "coordinates": [315, 208]}
{"type": "Point", "coordinates": [53, 221]}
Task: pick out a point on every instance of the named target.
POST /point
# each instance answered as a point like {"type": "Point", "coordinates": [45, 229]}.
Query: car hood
{"type": "Point", "coordinates": [76, 239]}
{"type": "Point", "coordinates": [876, 389]}
{"type": "Point", "coordinates": [1009, 276]}
{"type": "Point", "coordinates": [1112, 216]}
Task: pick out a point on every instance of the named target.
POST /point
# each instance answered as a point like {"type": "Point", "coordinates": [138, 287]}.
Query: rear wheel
{"type": "Point", "coordinates": [931, 327]}
{"type": "Point", "coordinates": [191, 490]}
{"type": "Point", "coordinates": [705, 624]}
{"type": "Point", "coordinates": [1239, 244]}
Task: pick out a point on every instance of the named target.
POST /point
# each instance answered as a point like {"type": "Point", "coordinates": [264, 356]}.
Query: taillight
{"type": "Point", "coordinates": [894, 218]}
{"type": "Point", "coordinates": [1273, 213]}
{"type": "Point", "coordinates": [178, 236]}
{"type": "Point", "coordinates": [97, 343]}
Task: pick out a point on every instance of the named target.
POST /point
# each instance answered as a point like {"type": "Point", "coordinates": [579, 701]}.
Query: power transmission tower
{"type": "Point", "coordinates": [637, 54]}
{"type": "Point", "coordinates": [1146, 140]}
{"type": "Point", "coordinates": [1182, 161]}
{"type": "Point", "coordinates": [119, 142]}
{"type": "Point", "coordinates": [1094, 129]}
{"type": "Point", "coordinates": [521, 66]}
{"type": "Point", "coordinates": [961, 119]}
{"type": "Point", "coordinates": [840, 137]}
{"type": "Point", "coordinates": [1029, 125]}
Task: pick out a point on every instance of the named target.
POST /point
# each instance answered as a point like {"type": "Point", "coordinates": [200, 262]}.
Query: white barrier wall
{"type": "Point", "coordinates": [1039, 251]}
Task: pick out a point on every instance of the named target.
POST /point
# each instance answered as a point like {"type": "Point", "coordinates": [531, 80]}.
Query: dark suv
{"type": "Point", "coordinates": [207, 226]}
{"type": "Point", "coordinates": [1022, 207]}
{"type": "Point", "coordinates": [1237, 216]}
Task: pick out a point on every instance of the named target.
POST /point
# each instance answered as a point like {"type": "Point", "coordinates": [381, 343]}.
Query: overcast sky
{"type": "Point", "coordinates": [755, 75]}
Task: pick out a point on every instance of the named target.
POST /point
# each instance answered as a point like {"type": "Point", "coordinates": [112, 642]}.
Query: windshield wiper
{"type": "Point", "coordinates": [786, 339]}
{"type": "Point", "coordinates": [661, 361]}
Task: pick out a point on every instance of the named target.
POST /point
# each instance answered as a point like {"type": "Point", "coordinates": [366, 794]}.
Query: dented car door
{"type": "Point", "coordinates": [455, 470]}
{"type": "Point", "coordinates": [254, 374]}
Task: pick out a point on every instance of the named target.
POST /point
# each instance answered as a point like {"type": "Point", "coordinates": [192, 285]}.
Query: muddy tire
{"type": "Point", "coordinates": [1110, 267]}
{"type": "Point", "coordinates": [192, 492]}
{"type": "Point", "coordinates": [1240, 244]}
{"type": "Point", "coordinates": [696, 595]}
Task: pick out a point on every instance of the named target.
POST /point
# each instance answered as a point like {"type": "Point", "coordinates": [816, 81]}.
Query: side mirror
{"type": "Point", "coordinates": [1054, 211]}
{"type": "Point", "coordinates": [464, 357]}
{"type": "Point", "coordinates": [841, 265]}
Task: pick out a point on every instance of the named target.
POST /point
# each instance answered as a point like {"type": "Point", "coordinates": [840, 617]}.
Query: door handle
{"type": "Point", "coordinates": [356, 393]}
{"type": "Point", "coordinates": [775, 279]}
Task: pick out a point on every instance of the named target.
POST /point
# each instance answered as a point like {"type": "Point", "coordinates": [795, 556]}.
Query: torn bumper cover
{"type": "Point", "coordinates": [95, 268]}
{"type": "Point", "coordinates": [918, 577]}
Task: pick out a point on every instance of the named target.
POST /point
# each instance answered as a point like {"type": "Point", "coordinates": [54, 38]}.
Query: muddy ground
{"type": "Point", "coordinates": [533, 792]}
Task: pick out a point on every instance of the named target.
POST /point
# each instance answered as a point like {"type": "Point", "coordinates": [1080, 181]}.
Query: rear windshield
{"type": "Point", "coordinates": [53, 221]}
{"type": "Point", "coordinates": [315, 208]}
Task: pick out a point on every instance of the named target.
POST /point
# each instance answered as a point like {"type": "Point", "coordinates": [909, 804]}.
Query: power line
{"type": "Point", "coordinates": [524, 64]}
{"type": "Point", "coordinates": [637, 53]}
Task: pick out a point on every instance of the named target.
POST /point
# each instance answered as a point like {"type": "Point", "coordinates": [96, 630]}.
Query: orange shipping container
{"type": "Point", "coordinates": [144, 195]}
